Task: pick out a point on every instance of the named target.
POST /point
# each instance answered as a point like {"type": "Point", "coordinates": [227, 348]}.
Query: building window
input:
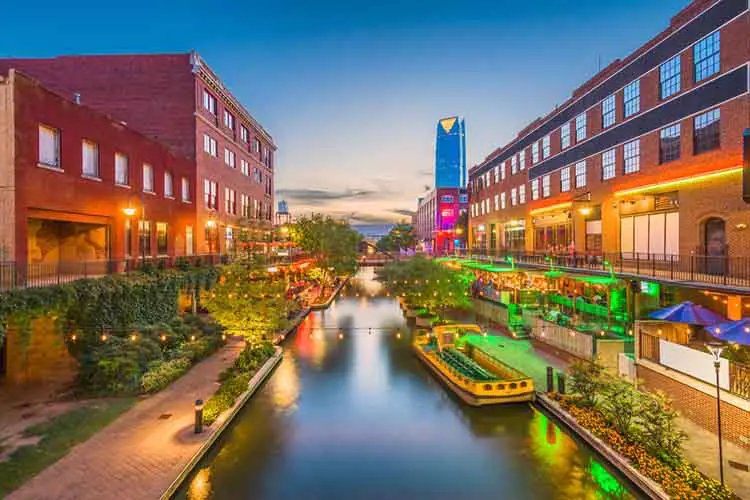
{"type": "Point", "coordinates": [162, 229]}
{"type": "Point", "coordinates": [186, 190]}
{"type": "Point", "coordinates": [497, 174]}
{"type": "Point", "coordinates": [565, 136]}
{"type": "Point", "coordinates": [522, 159]}
{"type": "Point", "coordinates": [546, 192]}
{"type": "Point", "coordinates": [256, 146]}
{"type": "Point", "coordinates": [144, 237]}
{"type": "Point", "coordinates": [513, 197]}
{"type": "Point", "coordinates": [168, 185]}
{"type": "Point", "coordinates": [581, 174]}
{"type": "Point", "coordinates": [669, 77]}
{"type": "Point", "coordinates": [228, 120]}
{"type": "Point", "coordinates": [609, 169]}
{"type": "Point", "coordinates": [211, 194]}
{"type": "Point", "coordinates": [148, 178]}
{"type": "Point", "coordinates": [244, 134]}
{"type": "Point", "coordinates": [497, 202]}
{"type": "Point", "coordinates": [229, 158]}
{"type": "Point", "coordinates": [513, 165]}
{"type": "Point", "coordinates": [546, 150]}
{"type": "Point", "coordinates": [209, 145]}
{"type": "Point", "coordinates": [669, 144]}
{"type": "Point", "coordinates": [502, 170]}
{"type": "Point", "coordinates": [632, 98]}
{"type": "Point", "coordinates": [188, 240]}
{"type": "Point", "coordinates": [463, 198]}
{"type": "Point", "coordinates": [535, 189]}
{"type": "Point", "coordinates": [122, 176]}
{"type": "Point", "coordinates": [502, 201]}
{"type": "Point", "coordinates": [49, 146]}
{"type": "Point", "coordinates": [245, 206]}
{"type": "Point", "coordinates": [565, 180]}
{"type": "Point", "coordinates": [522, 193]}
{"type": "Point", "coordinates": [90, 159]}
{"type": "Point", "coordinates": [244, 167]}
{"type": "Point", "coordinates": [230, 201]}
{"type": "Point", "coordinates": [535, 153]}
{"type": "Point", "coordinates": [707, 56]}
{"type": "Point", "coordinates": [580, 127]}
{"type": "Point", "coordinates": [632, 156]}
{"type": "Point", "coordinates": [209, 102]}
{"type": "Point", "coordinates": [608, 111]}
{"type": "Point", "coordinates": [447, 198]}
{"type": "Point", "coordinates": [707, 131]}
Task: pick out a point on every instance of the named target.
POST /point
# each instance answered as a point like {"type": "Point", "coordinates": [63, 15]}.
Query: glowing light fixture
{"type": "Point", "coordinates": [679, 182]}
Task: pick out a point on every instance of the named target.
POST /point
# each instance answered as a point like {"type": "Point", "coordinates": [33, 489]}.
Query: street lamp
{"type": "Point", "coordinates": [130, 211]}
{"type": "Point", "coordinates": [210, 225]}
{"type": "Point", "coordinates": [716, 348]}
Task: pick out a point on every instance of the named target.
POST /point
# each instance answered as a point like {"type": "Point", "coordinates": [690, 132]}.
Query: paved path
{"type": "Point", "coordinates": [139, 455]}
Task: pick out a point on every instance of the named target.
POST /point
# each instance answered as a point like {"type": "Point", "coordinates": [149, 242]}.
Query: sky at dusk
{"type": "Point", "coordinates": [352, 90]}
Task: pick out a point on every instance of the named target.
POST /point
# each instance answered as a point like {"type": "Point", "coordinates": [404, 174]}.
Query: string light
{"type": "Point", "coordinates": [163, 338]}
{"type": "Point", "coordinates": [134, 337]}
{"type": "Point", "coordinates": [104, 337]}
{"type": "Point", "coordinates": [192, 337]}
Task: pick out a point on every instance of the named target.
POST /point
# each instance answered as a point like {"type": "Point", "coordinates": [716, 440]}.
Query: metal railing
{"type": "Point", "coordinates": [724, 271]}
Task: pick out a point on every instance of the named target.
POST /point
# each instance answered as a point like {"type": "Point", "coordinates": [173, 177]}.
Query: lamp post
{"type": "Point", "coordinates": [211, 225]}
{"type": "Point", "coordinates": [198, 426]}
{"type": "Point", "coordinates": [716, 348]}
{"type": "Point", "coordinates": [130, 211]}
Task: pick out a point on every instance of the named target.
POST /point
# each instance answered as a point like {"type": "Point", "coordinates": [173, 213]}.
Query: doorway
{"type": "Point", "coordinates": [714, 245]}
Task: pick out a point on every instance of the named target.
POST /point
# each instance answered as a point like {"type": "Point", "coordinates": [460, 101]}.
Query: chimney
{"type": "Point", "coordinates": [77, 98]}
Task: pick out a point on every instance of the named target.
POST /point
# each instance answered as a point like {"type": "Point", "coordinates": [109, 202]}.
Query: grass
{"type": "Point", "coordinates": [58, 436]}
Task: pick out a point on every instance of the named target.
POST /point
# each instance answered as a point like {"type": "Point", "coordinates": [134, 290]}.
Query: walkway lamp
{"type": "Point", "coordinates": [198, 428]}
{"type": "Point", "coordinates": [716, 348]}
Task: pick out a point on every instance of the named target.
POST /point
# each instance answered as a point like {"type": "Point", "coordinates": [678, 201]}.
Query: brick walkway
{"type": "Point", "coordinates": [140, 454]}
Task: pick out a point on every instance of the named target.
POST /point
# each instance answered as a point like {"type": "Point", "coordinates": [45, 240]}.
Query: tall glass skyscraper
{"type": "Point", "coordinates": [450, 153]}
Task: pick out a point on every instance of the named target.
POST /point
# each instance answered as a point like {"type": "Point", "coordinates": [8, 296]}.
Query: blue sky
{"type": "Point", "coordinates": [352, 90]}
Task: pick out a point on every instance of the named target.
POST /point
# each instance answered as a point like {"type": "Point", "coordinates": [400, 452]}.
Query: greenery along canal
{"type": "Point", "coordinates": [351, 413]}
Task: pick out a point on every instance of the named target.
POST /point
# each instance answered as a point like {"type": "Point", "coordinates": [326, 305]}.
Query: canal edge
{"type": "Point", "coordinates": [265, 371]}
{"type": "Point", "coordinates": [647, 486]}
{"type": "Point", "coordinates": [334, 295]}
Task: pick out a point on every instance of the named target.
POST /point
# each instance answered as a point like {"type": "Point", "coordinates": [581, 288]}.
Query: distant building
{"type": "Point", "coordinates": [450, 153]}
{"type": "Point", "coordinates": [437, 215]}
{"type": "Point", "coordinates": [282, 214]}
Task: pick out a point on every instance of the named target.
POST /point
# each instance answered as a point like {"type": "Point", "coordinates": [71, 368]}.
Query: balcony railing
{"type": "Point", "coordinates": [724, 271]}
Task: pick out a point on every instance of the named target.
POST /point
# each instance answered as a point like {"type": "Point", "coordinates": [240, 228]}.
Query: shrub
{"type": "Point", "coordinates": [620, 404]}
{"type": "Point", "coordinates": [163, 373]}
{"type": "Point", "coordinates": [586, 380]}
{"type": "Point", "coordinates": [659, 433]}
{"type": "Point", "coordinates": [115, 366]}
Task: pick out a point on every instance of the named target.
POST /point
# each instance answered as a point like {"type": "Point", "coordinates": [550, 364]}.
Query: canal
{"type": "Point", "coordinates": [350, 413]}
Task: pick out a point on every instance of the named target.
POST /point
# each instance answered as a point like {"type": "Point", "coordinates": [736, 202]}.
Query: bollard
{"type": "Point", "coordinates": [550, 379]}
{"type": "Point", "coordinates": [198, 416]}
{"type": "Point", "coordinates": [561, 383]}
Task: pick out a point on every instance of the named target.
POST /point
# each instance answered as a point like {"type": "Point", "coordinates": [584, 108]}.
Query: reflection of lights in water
{"type": "Point", "coordinates": [200, 487]}
{"type": "Point", "coordinates": [285, 385]}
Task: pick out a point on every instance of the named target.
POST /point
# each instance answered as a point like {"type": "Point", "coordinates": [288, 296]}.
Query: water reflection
{"type": "Point", "coordinates": [358, 416]}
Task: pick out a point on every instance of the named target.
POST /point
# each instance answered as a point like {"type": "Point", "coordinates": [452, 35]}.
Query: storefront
{"type": "Point", "coordinates": [552, 232]}
{"type": "Point", "coordinates": [514, 233]}
{"type": "Point", "coordinates": [650, 226]}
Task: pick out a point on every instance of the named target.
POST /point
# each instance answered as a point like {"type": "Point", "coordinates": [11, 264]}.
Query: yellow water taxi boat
{"type": "Point", "coordinates": [454, 353]}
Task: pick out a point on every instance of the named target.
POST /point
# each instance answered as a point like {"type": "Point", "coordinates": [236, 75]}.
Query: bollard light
{"type": "Point", "coordinates": [198, 416]}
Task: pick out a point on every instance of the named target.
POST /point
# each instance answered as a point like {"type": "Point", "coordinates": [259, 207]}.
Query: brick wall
{"type": "Point", "coordinates": [43, 357]}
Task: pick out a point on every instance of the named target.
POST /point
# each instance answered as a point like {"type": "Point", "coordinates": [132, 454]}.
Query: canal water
{"type": "Point", "coordinates": [350, 413]}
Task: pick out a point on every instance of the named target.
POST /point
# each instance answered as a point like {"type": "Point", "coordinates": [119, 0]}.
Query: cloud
{"type": "Point", "coordinates": [405, 213]}
{"type": "Point", "coordinates": [310, 195]}
{"type": "Point", "coordinates": [370, 219]}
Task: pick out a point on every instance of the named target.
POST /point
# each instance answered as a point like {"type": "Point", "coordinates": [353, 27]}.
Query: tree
{"type": "Point", "coordinates": [587, 381]}
{"type": "Point", "coordinates": [401, 236]}
{"type": "Point", "coordinates": [332, 244]}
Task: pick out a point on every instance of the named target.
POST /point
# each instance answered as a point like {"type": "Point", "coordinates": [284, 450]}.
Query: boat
{"type": "Point", "coordinates": [455, 354]}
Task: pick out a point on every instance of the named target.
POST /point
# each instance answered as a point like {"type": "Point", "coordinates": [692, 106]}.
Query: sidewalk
{"type": "Point", "coordinates": [143, 451]}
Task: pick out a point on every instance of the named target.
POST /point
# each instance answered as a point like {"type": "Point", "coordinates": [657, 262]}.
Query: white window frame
{"type": "Point", "coordinates": [122, 169]}
{"type": "Point", "coordinates": [148, 178]}
{"type": "Point", "coordinates": [522, 194]}
{"type": "Point", "coordinates": [89, 159]}
{"type": "Point", "coordinates": [230, 159]}
{"type": "Point", "coordinates": [581, 174]}
{"type": "Point", "coordinates": [609, 111]}
{"type": "Point", "coordinates": [546, 147]}
{"type": "Point", "coordinates": [503, 203]}
{"type": "Point", "coordinates": [513, 197]}
{"type": "Point", "coordinates": [209, 145]}
{"type": "Point", "coordinates": [535, 189]}
{"type": "Point", "coordinates": [168, 184]}
{"type": "Point", "coordinates": [609, 164]}
{"type": "Point", "coordinates": [522, 160]}
{"type": "Point", "coordinates": [49, 147]}
{"type": "Point", "coordinates": [565, 136]}
{"type": "Point", "coordinates": [632, 157]}
{"type": "Point", "coordinates": [185, 187]}
{"type": "Point", "coordinates": [546, 186]}
{"type": "Point", "coordinates": [209, 102]}
{"type": "Point", "coordinates": [631, 97]}
{"type": "Point", "coordinates": [535, 153]}
{"type": "Point", "coordinates": [565, 179]}
{"type": "Point", "coordinates": [581, 125]}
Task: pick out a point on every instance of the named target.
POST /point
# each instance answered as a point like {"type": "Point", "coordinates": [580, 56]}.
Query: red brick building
{"type": "Point", "coordinates": [437, 219]}
{"type": "Point", "coordinates": [77, 186]}
{"type": "Point", "coordinates": [177, 100]}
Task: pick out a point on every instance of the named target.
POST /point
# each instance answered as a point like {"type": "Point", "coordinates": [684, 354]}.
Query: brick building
{"type": "Point", "coordinates": [77, 186]}
{"type": "Point", "coordinates": [177, 100]}
{"type": "Point", "coordinates": [437, 218]}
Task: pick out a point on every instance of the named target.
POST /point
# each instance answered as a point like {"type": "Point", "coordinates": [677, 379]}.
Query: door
{"type": "Point", "coordinates": [715, 247]}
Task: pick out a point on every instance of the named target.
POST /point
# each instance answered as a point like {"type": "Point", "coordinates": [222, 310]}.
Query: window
{"type": "Point", "coordinates": [535, 153]}
{"type": "Point", "coordinates": [522, 159]}
{"type": "Point", "coordinates": [228, 119]}
{"type": "Point", "coordinates": [535, 189]}
{"type": "Point", "coordinates": [545, 147]}
{"type": "Point", "coordinates": [522, 193]}
{"type": "Point", "coordinates": [669, 77]}
{"type": "Point", "coordinates": [168, 185]}
{"type": "Point", "coordinates": [580, 127]}
{"type": "Point", "coordinates": [669, 144]}
{"type": "Point", "coordinates": [144, 237]}
{"type": "Point", "coordinates": [447, 198]}
{"type": "Point", "coordinates": [148, 178]}
{"type": "Point", "coordinates": [244, 167]}
{"type": "Point", "coordinates": [90, 159]}
{"type": "Point", "coordinates": [581, 174]}
{"type": "Point", "coordinates": [244, 134]}
{"type": "Point", "coordinates": [497, 202]}
{"type": "Point", "coordinates": [608, 112]}
{"type": "Point", "coordinates": [513, 197]}
{"type": "Point", "coordinates": [121, 169]}
{"type": "Point", "coordinates": [707, 131]}
{"type": "Point", "coordinates": [209, 102]}
{"type": "Point", "coordinates": [245, 208]}
{"type": "Point", "coordinates": [502, 170]}
{"type": "Point", "coordinates": [565, 136]}
{"type": "Point", "coordinates": [608, 165]}
{"type": "Point", "coordinates": [209, 145]}
{"type": "Point", "coordinates": [162, 228]}
{"type": "Point", "coordinates": [188, 240]}
{"type": "Point", "coordinates": [186, 189]}
{"type": "Point", "coordinates": [229, 158]}
{"type": "Point", "coordinates": [256, 145]}
{"type": "Point", "coordinates": [632, 98]}
{"type": "Point", "coordinates": [546, 186]}
{"type": "Point", "coordinates": [502, 201]}
{"type": "Point", "coordinates": [707, 56]}
{"type": "Point", "coordinates": [463, 198]}
{"type": "Point", "coordinates": [513, 164]}
{"type": "Point", "coordinates": [497, 174]}
{"type": "Point", "coordinates": [565, 180]}
{"type": "Point", "coordinates": [632, 156]}
{"type": "Point", "coordinates": [210, 194]}
{"type": "Point", "coordinates": [230, 201]}
{"type": "Point", "coordinates": [49, 146]}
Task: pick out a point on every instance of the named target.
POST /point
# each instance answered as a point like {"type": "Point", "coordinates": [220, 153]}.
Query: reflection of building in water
{"type": "Point", "coordinates": [200, 486]}
{"type": "Point", "coordinates": [285, 385]}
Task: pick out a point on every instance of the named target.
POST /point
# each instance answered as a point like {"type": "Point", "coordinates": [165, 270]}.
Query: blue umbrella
{"type": "Point", "coordinates": [732, 331]}
{"type": "Point", "coordinates": [687, 312]}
